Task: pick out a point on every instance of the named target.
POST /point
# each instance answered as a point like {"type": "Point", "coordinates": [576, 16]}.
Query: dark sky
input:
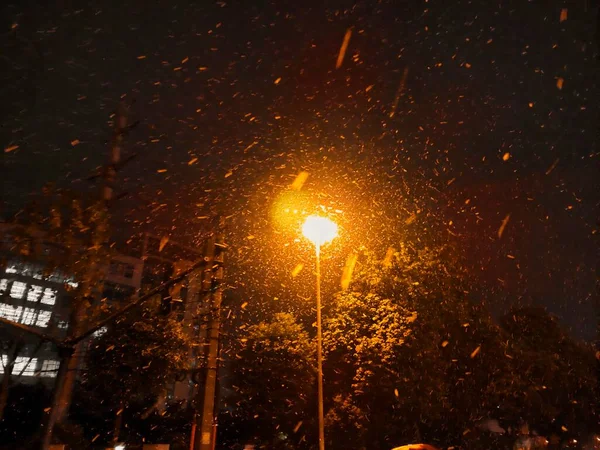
{"type": "Point", "coordinates": [460, 113]}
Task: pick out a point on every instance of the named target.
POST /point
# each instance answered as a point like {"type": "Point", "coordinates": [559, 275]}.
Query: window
{"type": "Point", "coordinates": [34, 293]}
{"type": "Point", "coordinates": [49, 297]}
{"type": "Point", "coordinates": [24, 367]}
{"type": "Point", "coordinates": [3, 285]}
{"type": "Point", "coordinates": [18, 289]}
{"type": "Point", "coordinates": [63, 324]}
{"type": "Point", "coordinates": [28, 317]}
{"type": "Point", "coordinates": [43, 319]}
{"type": "Point", "coordinates": [100, 332]}
{"type": "Point", "coordinates": [11, 269]}
{"type": "Point", "coordinates": [10, 313]}
{"type": "Point", "coordinates": [49, 368]}
{"type": "Point", "coordinates": [122, 269]}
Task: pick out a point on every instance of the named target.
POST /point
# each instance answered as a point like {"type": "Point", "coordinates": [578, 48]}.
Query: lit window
{"type": "Point", "coordinates": [11, 269]}
{"type": "Point", "coordinates": [3, 285]}
{"type": "Point", "coordinates": [100, 332]}
{"type": "Point", "coordinates": [9, 312]}
{"type": "Point", "coordinates": [28, 317]}
{"type": "Point", "coordinates": [34, 293]}
{"type": "Point", "coordinates": [49, 297]}
{"type": "Point", "coordinates": [43, 319]}
{"type": "Point", "coordinates": [63, 324]}
{"type": "Point", "coordinates": [18, 289]}
{"type": "Point", "coordinates": [24, 367]}
{"type": "Point", "coordinates": [4, 363]}
{"type": "Point", "coordinates": [49, 368]}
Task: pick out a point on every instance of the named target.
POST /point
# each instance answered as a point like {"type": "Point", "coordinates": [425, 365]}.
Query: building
{"type": "Point", "coordinates": [187, 301]}
{"type": "Point", "coordinates": [31, 296]}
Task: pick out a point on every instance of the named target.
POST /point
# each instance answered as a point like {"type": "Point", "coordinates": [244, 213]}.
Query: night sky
{"type": "Point", "coordinates": [444, 118]}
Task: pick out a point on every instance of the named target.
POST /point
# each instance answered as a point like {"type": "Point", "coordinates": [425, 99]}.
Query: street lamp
{"type": "Point", "coordinates": [319, 230]}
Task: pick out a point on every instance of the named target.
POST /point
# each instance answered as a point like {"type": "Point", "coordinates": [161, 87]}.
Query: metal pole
{"type": "Point", "coordinates": [115, 155]}
{"type": "Point", "coordinates": [193, 434]}
{"type": "Point", "coordinates": [203, 338]}
{"type": "Point", "coordinates": [320, 352]}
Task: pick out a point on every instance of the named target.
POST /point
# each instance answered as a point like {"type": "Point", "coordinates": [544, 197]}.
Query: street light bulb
{"type": "Point", "coordinates": [319, 230]}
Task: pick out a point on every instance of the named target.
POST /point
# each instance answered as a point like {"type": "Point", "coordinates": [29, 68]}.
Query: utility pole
{"type": "Point", "coordinates": [110, 173]}
{"type": "Point", "coordinates": [70, 357]}
{"type": "Point", "coordinates": [205, 423]}
{"type": "Point", "coordinates": [110, 176]}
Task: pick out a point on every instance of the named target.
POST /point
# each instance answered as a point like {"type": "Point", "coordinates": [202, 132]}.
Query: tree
{"type": "Point", "coordinates": [26, 403]}
{"type": "Point", "coordinates": [364, 334]}
{"type": "Point", "coordinates": [12, 348]}
{"type": "Point", "coordinates": [561, 395]}
{"type": "Point", "coordinates": [405, 360]}
{"type": "Point", "coordinates": [273, 377]}
{"type": "Point", "coordinates": [412, 357]}
{"type": "Point", "coordinates": [131, 365]}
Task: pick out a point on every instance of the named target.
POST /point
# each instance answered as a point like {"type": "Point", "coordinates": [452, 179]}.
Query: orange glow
{"type": "Point", "coordinates": [288, 210]}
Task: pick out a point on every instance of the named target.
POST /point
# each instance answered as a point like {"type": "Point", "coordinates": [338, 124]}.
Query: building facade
{"type": "Point", "coordinates": [32, 295]}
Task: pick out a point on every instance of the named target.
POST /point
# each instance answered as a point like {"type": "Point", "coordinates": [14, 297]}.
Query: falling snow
{"type": "Point", "coordinates": [447, 141]}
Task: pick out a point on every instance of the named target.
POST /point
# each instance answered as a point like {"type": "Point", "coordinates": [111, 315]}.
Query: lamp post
{"type": "Point", "coordinates": [319, 230]}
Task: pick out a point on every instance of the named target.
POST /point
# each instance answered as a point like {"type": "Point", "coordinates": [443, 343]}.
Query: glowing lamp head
{"type": "Point", "coordinates": [319, 230]}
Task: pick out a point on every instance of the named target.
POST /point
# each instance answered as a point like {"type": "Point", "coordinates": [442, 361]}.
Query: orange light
{"type": "Point", "coordinates": [319, 230]}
